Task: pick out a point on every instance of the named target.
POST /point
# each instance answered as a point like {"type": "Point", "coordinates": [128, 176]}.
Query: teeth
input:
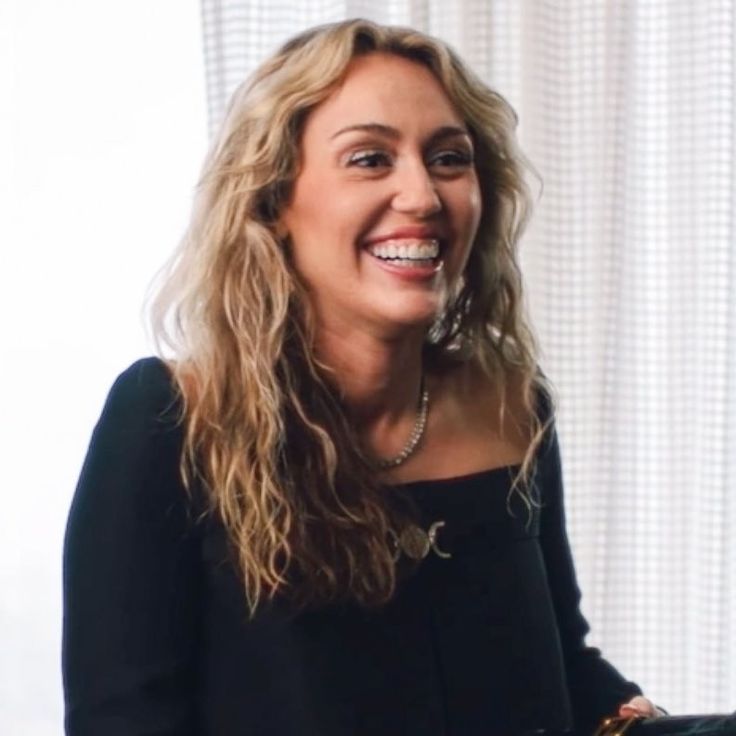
{"type": "Point", "coordinates": [417, 250]}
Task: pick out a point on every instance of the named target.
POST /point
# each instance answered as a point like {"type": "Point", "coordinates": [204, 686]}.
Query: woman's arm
{"type": "Point", "coordinates": [131, 581]}
{"type": "Point", "coordinates": [596, 688]}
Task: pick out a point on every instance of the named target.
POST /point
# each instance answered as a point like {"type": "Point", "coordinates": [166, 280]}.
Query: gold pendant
{"type": "Point", "coordinates": [416, 544]}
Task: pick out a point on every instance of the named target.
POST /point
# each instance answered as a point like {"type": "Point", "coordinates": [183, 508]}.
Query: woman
{"type": "Point", "coordinates": [337, 509]}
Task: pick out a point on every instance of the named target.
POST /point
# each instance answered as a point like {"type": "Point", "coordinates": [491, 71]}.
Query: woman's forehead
{"type": "Point", "coordinates": [384, 89]}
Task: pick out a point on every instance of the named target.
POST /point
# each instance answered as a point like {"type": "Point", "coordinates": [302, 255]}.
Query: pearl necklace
{"type": "Point", "coordinates": [416, 434]}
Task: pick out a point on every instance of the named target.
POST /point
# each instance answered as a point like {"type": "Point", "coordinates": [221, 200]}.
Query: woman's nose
{"type": "Point", "coordinates": [416, 193]}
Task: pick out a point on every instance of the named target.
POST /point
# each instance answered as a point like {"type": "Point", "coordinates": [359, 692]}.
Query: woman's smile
{"type": "Point", "coordinates": [413, 252]}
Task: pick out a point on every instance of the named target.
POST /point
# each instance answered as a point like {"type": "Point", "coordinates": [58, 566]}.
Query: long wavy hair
{"type": "Point", "coordinates": [265, 433]}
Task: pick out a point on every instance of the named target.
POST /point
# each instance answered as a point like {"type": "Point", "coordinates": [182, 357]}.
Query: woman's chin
{"type": "Point", "coordinates": [403, 318]}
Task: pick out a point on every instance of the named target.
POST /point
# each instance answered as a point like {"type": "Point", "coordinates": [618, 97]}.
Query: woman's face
{"type": "Point", "coordinates": [386, 203]}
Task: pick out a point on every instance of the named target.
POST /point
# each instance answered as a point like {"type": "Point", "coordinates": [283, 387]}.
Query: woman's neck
{"type": "Point", "coordinates": [378, 379]}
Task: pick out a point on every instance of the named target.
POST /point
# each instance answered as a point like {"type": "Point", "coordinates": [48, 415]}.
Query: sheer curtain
{"type": "Point", "coordinates": [627, 111]}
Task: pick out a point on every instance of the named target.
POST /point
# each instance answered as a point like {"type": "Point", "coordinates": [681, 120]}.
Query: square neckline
{"type": "Point", "coordinates": [458, 479]}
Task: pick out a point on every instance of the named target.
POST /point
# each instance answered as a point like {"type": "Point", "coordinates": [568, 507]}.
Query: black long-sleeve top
{"type": "Point", "coordinates": [157, 640]}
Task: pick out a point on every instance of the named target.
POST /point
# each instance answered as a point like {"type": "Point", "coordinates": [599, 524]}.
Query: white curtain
{"type": "Point", "coordinates": [627, 111]}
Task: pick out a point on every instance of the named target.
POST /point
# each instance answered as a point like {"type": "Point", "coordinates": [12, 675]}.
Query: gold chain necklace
{"type": "Point", "coordinates": [417, 432]}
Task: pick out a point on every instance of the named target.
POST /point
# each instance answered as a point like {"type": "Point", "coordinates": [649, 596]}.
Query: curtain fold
{"type": "Point", "coordinates": [627, 112]}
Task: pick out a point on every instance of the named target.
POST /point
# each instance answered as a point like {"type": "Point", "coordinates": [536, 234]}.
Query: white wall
{"type": "Point", "coordinates": [102, 131]}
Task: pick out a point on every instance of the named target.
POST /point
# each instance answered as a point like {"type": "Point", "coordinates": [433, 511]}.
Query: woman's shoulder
{"type": "Point", "coordinates": [146, 386]}
{"type": "Point", "coordinates": [146, 377]}
{"type": "Point", "coordinates": [142, 403]}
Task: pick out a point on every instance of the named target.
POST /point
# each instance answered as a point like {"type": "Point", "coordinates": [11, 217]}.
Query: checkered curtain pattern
{"type": "Point", "coordinates": [627, 112]}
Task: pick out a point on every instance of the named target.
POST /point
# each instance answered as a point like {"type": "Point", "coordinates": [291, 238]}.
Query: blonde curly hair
{"type": "Point", "coordinates": [266, 435]}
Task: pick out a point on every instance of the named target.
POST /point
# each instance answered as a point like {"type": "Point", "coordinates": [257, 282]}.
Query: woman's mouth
{"type": "Point", "coordinates": [408, 252]}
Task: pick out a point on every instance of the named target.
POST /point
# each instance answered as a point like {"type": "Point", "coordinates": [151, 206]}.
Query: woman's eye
{"type": "Point", "coordinates": [451, 159]}
{"type": "Point", "coordinates": [369, 159]}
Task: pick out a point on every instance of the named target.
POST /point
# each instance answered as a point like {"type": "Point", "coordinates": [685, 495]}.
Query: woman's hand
{"type": "Point", "coordinates": [639, 706]}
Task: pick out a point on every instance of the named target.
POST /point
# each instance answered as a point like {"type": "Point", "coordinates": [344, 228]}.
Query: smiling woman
{"type": "Point", "coordinates": [337, 508]}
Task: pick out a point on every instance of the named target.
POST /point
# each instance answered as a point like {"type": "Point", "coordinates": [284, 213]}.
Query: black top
{"type": "Point", "coordinates": [156, 639]}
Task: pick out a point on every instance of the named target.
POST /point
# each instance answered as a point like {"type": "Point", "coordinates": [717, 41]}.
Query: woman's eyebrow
{"type": "Point", "coordinates": [446, 131]}
{"type": "Point", "coordinates": [379, 128]}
